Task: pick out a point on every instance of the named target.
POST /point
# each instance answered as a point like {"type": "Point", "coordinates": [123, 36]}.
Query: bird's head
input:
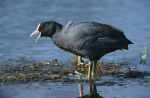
{"type": "Point", "coordinates": [46, 29]}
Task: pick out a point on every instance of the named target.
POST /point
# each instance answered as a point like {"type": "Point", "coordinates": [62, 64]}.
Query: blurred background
{"type": "Point", "coordinates": [19, 18]}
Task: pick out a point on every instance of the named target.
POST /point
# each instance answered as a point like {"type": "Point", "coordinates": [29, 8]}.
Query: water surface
{"type": "Point", "coordinates": [19, 18]}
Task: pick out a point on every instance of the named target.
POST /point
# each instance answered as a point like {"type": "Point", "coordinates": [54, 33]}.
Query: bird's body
{"type": "Point", "coordinates": [90, 39]}
{"type": "Point", "coordinates": [86, 39]}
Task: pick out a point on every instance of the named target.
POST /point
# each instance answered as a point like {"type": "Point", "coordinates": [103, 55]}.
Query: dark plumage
{"type": "Point", "coordinates": [87, 39]}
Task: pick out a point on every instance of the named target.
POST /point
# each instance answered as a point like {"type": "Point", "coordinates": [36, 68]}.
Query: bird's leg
{"type": "Point", "coordinates": [93, 69]}
{"type": "Point", "coordinates": [80, 61]}
{"type": "Point", "coordinates": [89, 70]}
{"type": "Point", "coordinates": [77, 59]}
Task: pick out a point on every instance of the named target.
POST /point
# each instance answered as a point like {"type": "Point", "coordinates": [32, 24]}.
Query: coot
{"type": "Point", "coordinates": [91, 40]}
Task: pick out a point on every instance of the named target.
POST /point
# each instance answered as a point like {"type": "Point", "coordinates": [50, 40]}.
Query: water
{"type": "Point", "coordinates": [19, 18]}
{"type": "Point", "coordinates": [71, 90]}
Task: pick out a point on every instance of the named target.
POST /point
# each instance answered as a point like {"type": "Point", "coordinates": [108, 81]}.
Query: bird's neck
{"type": "Point", "coordinates": [56, 29]}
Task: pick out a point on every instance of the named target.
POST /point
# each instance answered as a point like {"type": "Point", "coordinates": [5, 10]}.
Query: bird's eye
{"type": "Point", "coordinates": [41, 27]}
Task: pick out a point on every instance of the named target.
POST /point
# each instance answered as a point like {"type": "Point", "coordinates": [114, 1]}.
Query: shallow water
{"type": "Point", "coordinates": [123, 89]}
{"type": "Point", "coordinates": [18, 19]}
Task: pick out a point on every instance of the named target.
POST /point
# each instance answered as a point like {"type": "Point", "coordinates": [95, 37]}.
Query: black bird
{"type": "Point", "coordinates": [91, 40]}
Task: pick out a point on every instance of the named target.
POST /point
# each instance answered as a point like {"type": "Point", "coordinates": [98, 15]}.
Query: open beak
{"type": "Point", "coordinates": [35, 32]}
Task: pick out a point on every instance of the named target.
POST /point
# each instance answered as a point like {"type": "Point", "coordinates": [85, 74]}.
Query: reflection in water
{"type": "Point", "coordinates": [92, 90]}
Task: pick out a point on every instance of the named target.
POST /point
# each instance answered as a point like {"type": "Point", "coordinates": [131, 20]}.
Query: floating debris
{"type": "Point", "coordinates": [133, 74]}
{"type": "Point", "coordinates": [25, 70]}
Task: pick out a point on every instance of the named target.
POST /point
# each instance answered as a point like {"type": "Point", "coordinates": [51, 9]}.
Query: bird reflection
{"type": "Point", "coordinates": [92, 91]}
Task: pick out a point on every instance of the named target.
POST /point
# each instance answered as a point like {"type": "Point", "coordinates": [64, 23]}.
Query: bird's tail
{"type": "Point", "coordinates": [129, 42]}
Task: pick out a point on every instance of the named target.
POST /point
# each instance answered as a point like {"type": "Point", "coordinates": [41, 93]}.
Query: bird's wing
{"type": "Point", "coordinates": [99, 36]}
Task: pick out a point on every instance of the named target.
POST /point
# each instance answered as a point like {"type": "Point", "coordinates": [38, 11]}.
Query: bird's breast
{"type": "Point", "coordinates": [63, 43]}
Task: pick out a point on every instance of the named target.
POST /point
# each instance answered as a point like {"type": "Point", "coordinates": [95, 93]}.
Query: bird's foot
{"type": "Point", "coordinates": [81, 63]}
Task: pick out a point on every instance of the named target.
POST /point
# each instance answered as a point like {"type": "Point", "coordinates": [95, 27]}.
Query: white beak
{"type": "Point", "coordinates": [35, 32]}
